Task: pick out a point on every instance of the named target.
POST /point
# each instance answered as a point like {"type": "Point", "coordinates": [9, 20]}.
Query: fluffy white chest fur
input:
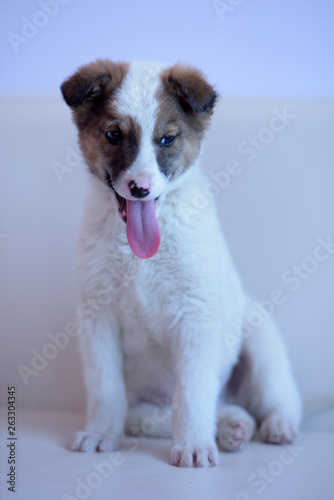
{"type": "Point", "coordinates": [167, 350]}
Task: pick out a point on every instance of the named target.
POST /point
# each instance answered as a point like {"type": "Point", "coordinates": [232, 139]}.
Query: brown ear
{"type": "Point", "coordinates": [92, 80]}
{"type": "Point", "coordinates": [191, 87]}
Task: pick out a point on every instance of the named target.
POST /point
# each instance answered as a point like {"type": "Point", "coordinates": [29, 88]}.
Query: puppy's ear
{"type": "Point", "coordinates": [92, 80]}
{"type": "Point", "coordinates": [190, 86]}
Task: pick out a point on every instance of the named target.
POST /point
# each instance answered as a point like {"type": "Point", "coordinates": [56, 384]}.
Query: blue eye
{"type": "Point", "coordinates": [168, 140]}
{"type": "Point", "coordinates": [114, 137]}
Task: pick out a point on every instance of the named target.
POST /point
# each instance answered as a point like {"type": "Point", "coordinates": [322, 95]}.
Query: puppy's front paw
{"type": "Point", "coordinates": [91, 441]}
{"type": "Point", "coordinates": [194, 456]}
{"type": "Point", "coordinates": [278, 429]}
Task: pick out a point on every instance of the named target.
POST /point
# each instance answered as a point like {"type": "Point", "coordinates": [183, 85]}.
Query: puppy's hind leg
{"type": "Point", "coordinates": [235, 427]}
{"type": "Point", "coordinates": [149, 420]}
{"type": "Point", "coordinates": [267, 388]}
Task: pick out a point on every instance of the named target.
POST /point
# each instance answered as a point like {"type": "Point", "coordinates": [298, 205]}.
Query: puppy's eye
{"type": "Point", "coordinates": [113, 136]}
{"type": "Point", "coordinates": [168, 140]}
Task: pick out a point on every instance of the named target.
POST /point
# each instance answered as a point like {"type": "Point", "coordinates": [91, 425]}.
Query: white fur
{"type": "Point", "coordinates": [136, 98]}
{"type": "Point", "coordinates": [159, 330]}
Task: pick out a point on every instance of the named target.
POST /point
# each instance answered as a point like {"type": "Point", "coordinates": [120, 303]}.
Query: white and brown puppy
{"type": "Point", "coordinates": [163, 322]}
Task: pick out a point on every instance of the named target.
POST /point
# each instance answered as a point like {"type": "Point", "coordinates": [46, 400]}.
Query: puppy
{"type": "Point", "coordinates": [170, 342]}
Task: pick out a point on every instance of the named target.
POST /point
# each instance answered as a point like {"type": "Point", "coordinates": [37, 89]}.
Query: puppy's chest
{"type": "Point", "coordinates": [144, 302]}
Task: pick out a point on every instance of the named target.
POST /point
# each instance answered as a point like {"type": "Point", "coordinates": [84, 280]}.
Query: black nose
{"type": "Point", "coordinates": [138, 192]}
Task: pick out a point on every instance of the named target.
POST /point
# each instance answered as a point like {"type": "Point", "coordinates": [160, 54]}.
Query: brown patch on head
{"type": "Point", "coordinates": [90, 86]}
{"type": "Point", "coordinates": [118, 157]}
{"type": "Point", "coordinates": [186, 105]}
{"type": "Point", "coordinates": [89, 93]}
{"type": "Point", "coordinates": [191, 87]}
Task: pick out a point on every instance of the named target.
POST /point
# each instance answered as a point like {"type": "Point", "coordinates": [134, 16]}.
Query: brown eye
{"type": "Point", "coordinates": [113, 136]}
{"type": "Point", "coordinates": [168, 140]}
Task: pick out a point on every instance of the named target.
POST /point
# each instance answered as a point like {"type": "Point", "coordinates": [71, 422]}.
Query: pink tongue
{"type": "Point", "coordinates": [142, 228]}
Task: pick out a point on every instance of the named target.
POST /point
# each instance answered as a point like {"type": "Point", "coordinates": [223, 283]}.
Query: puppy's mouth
{"type": "Point", "coordinates": [121, 205]}
{"type": "Point", "coordinates": [142, 228]}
